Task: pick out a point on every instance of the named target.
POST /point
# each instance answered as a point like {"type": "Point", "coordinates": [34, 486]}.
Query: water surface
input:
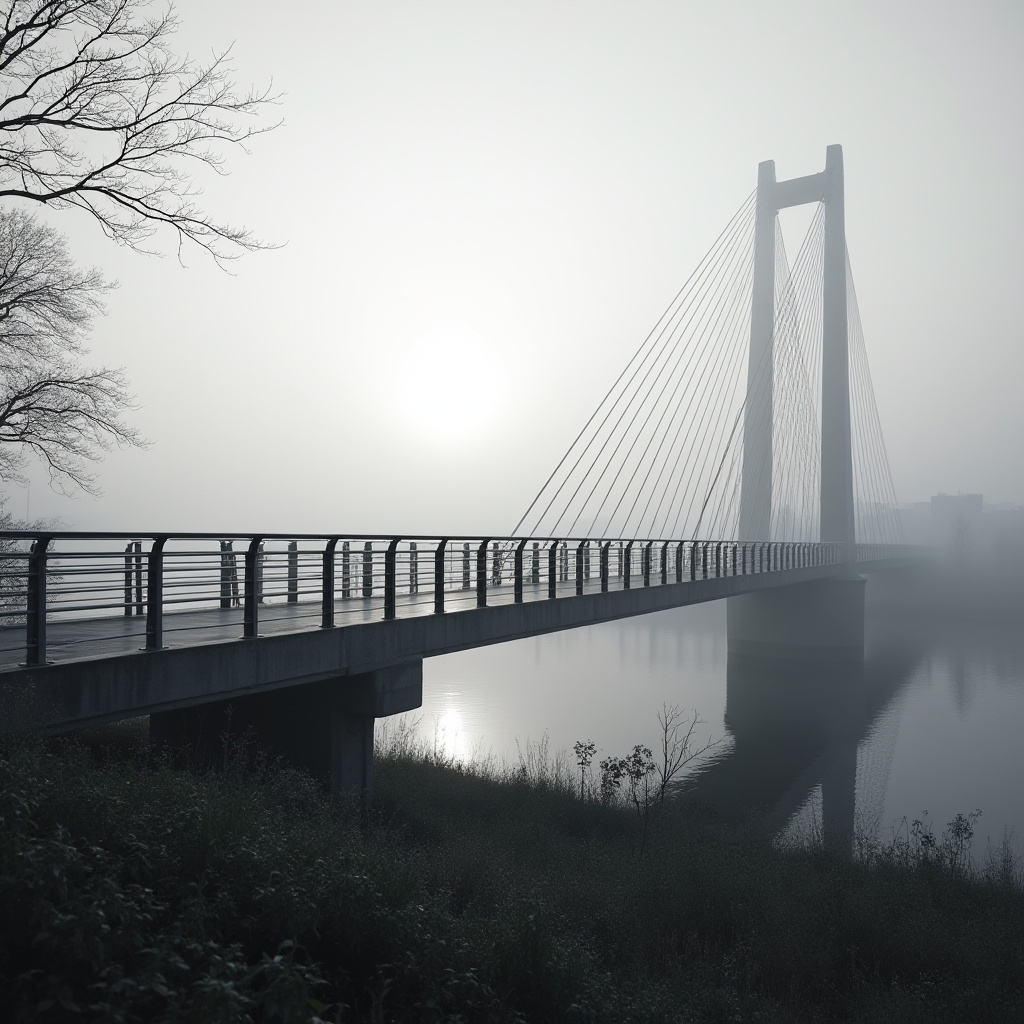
{"type": "Point", "coordinates": [931, 723]}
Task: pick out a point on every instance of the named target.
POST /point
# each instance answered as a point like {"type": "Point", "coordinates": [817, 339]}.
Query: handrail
{"type": "Point", "coordinates": [151, 573]}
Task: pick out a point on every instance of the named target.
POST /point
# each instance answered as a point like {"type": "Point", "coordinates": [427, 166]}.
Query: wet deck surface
{"type": "Point", "coordinates": [78, 638]}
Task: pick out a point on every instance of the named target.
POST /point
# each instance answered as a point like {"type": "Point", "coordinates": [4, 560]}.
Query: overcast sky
{"type": "Point", "coordinates": [486, 206]}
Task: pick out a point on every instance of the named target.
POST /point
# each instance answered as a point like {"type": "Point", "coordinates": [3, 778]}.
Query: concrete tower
{"type": "Point", "coordinates": [826, 617]}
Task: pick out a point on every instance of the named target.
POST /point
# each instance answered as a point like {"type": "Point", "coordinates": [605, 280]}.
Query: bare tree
{"type": "Point", "coordinates": [51, 405]}
{"type": "Point", "coordinates": [98, 112]}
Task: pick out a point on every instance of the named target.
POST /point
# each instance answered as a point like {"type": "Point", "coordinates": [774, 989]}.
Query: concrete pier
{"type": "Point", "coordinates": [325, 727]}
{"type": "Point", "coordinates": [817, 621]}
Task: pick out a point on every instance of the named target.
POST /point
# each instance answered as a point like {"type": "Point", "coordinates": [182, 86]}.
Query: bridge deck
{"type": "Point", "coordinates": [75, 639]}
{"type": "Point", "coordinates": [97, 669]}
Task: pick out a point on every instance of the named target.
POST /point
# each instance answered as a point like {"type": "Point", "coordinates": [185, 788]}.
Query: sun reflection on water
{"type": "Point", "coordinates": [450, 739]}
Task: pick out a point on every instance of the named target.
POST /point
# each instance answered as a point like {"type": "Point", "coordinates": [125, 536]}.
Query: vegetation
{"type": "Point", "coordinates": [134, 890]}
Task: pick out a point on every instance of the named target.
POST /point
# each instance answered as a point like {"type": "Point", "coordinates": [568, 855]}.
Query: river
{"type": "Point", "coordinates": [930, 725]}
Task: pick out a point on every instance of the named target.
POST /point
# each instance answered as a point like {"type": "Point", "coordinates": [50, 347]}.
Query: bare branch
{"type": "Point", "coordinates": [98, 112]}
{"type": "Point", "coordinates": [51, 406]}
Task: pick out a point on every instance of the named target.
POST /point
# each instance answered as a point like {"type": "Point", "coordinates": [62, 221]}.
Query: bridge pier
{"type": "Point", "coordinates": [819, 621]}
{"type": "Point", "coordinates": [325, 727]}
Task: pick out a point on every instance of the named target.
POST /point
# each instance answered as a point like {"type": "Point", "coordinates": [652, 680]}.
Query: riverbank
{"type": "Point", "coordinates": [131, 889]}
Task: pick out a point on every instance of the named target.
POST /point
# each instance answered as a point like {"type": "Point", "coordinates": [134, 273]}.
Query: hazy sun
{"type": "Point", "coordinates": [449, 389]}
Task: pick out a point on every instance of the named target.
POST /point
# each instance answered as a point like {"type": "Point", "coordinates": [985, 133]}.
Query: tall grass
{"type": "Point", "coordinates": [131, 889]}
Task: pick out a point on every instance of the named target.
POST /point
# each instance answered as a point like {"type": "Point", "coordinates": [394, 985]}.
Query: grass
{"type": "Point", "coordinates": [134, 890]}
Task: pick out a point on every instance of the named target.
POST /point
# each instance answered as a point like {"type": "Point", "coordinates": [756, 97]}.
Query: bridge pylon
{"type": "Point", "coordinates": [825, 618]}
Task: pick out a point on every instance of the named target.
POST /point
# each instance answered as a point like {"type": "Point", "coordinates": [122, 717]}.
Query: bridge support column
{"type": "Point", "coordinates": [820, 621]}
{"type": "Point", "coordinates": [325, 727]}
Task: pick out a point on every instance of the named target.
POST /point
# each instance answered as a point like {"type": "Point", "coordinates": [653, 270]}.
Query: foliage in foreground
{"type": "Point", "coordinates": [131, 891]}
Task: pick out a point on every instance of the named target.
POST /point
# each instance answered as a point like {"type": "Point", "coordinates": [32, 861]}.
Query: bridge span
{"type": "Point", "coordinates": [761, 490]}
{"type": "Point", "coordinates": [311, 638]}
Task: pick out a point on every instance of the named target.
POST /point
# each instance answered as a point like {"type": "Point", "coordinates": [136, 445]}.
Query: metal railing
{"type": "Point", "coordinates": [309, 579]}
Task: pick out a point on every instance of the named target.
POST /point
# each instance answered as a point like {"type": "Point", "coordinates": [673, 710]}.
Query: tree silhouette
{"type": "Point", "coordinates": [51, 405]}
{"type": "Point", "coordinates": [98, 112]}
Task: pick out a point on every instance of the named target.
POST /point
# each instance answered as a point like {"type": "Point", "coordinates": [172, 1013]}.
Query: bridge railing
{"type": "Point", "coordinates": [149, 588]}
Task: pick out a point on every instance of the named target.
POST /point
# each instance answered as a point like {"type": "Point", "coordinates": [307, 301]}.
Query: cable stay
{"type": "Point", "coordinates": [661, 456]}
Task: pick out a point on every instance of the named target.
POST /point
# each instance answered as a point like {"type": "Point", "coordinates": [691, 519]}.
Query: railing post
{"type": "Point", "coordinates": [693, 561]}
{"type": "Point", "coordinates": [564, 562]}
{"type": "Point", "coordinates": [414, 568]}
{"type": "Point", "coordinates": [552, 570]}
{"type": "Point", "coordinates": [646, 563]}
{"type": "Point", "coordinates": [579, 568]}
{"type": "Point", "coordinates": [517, 583]}
{"type": "Point", "coordinates": [390, 577]}
{"type": "Point", "coordinates": [535, 571]}
{"type": "Point", "coordinates": [261, 558]}
{"type": "Point", "coordinates": [346, 570]}
{"type": "Point", "coordinates": [679, 563]}
{"type": "Point", "coordinates": [586, 560]}
{"type": "Point", "coordinates": [604, 565]}
{"type": "Point", "coordinates": [155, 596]}
{"type": "Point", "coordinates": [439, 577]}
{"type": "Point", "coordinates": [627, 567]}
{"type": "Point", "coordinates": [327, 578]}
{"type": "Point", "coordinates": [465, 566]}
{"type": "Point", "coordinates": [481, 574]}
{"type": "Point", "coordinates": [664, 563]}
{"type": "Point", "coordinates": [718, 560]}
{"type": "Point", "coordinates": [618, 558]}
{"type": "Point", "coordinates": [368, 569]}
{"type": "Point", "coordinates": [250, 611]}
{"type": "Point", "coordinates": [293, 571]}
{"type": "Point", "coordinates": [495, 566]}
{"type": "Point", "coordinates": [228, 576]}
{"type": "Point", "coordinates": [138, 577]}
{"type": "Point", "coordinates": [35, 617]}
{"type": "Point", "coordinates": [128, 580]}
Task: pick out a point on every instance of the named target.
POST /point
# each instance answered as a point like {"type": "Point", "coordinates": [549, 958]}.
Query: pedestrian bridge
{"type": "Point", "coordinates": [102, 627]}
{"type": "Point", "coordinates": [691, 482]}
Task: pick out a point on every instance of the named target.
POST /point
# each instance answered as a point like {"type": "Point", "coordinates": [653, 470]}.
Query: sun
{"type": "Point", "coordinates": [450, 389]}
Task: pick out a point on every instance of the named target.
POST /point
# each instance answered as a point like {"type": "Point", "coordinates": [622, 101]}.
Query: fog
{"type": "Point", "coordinates": [482, 208]}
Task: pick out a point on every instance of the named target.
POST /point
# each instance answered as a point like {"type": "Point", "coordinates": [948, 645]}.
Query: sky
{"type": "Point", "coordinates": [482, 208]}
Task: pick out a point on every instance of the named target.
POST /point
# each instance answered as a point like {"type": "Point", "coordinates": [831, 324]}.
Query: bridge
{"type": "Point", "coordinates": [689, 483]}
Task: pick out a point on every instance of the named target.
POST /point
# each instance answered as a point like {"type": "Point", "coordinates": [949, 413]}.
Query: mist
{"type": "Point", "coordinates": [481, 211]}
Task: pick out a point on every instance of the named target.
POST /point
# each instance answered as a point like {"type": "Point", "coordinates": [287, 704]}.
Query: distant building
{"type": "Point", "coordinates": [964, 527]}
{"type": "Point", "coordinates": [957, 523]}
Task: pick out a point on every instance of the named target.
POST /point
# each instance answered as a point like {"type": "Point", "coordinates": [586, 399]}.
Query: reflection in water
{"type": "Point", "coordinates": [794, 726]}
{"type": "Point", "coordinates": [450, 738]}
{"type": "Point", "coordinates": [797, 729]}
{"type": "Point", "coordinates": [929, 722]}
